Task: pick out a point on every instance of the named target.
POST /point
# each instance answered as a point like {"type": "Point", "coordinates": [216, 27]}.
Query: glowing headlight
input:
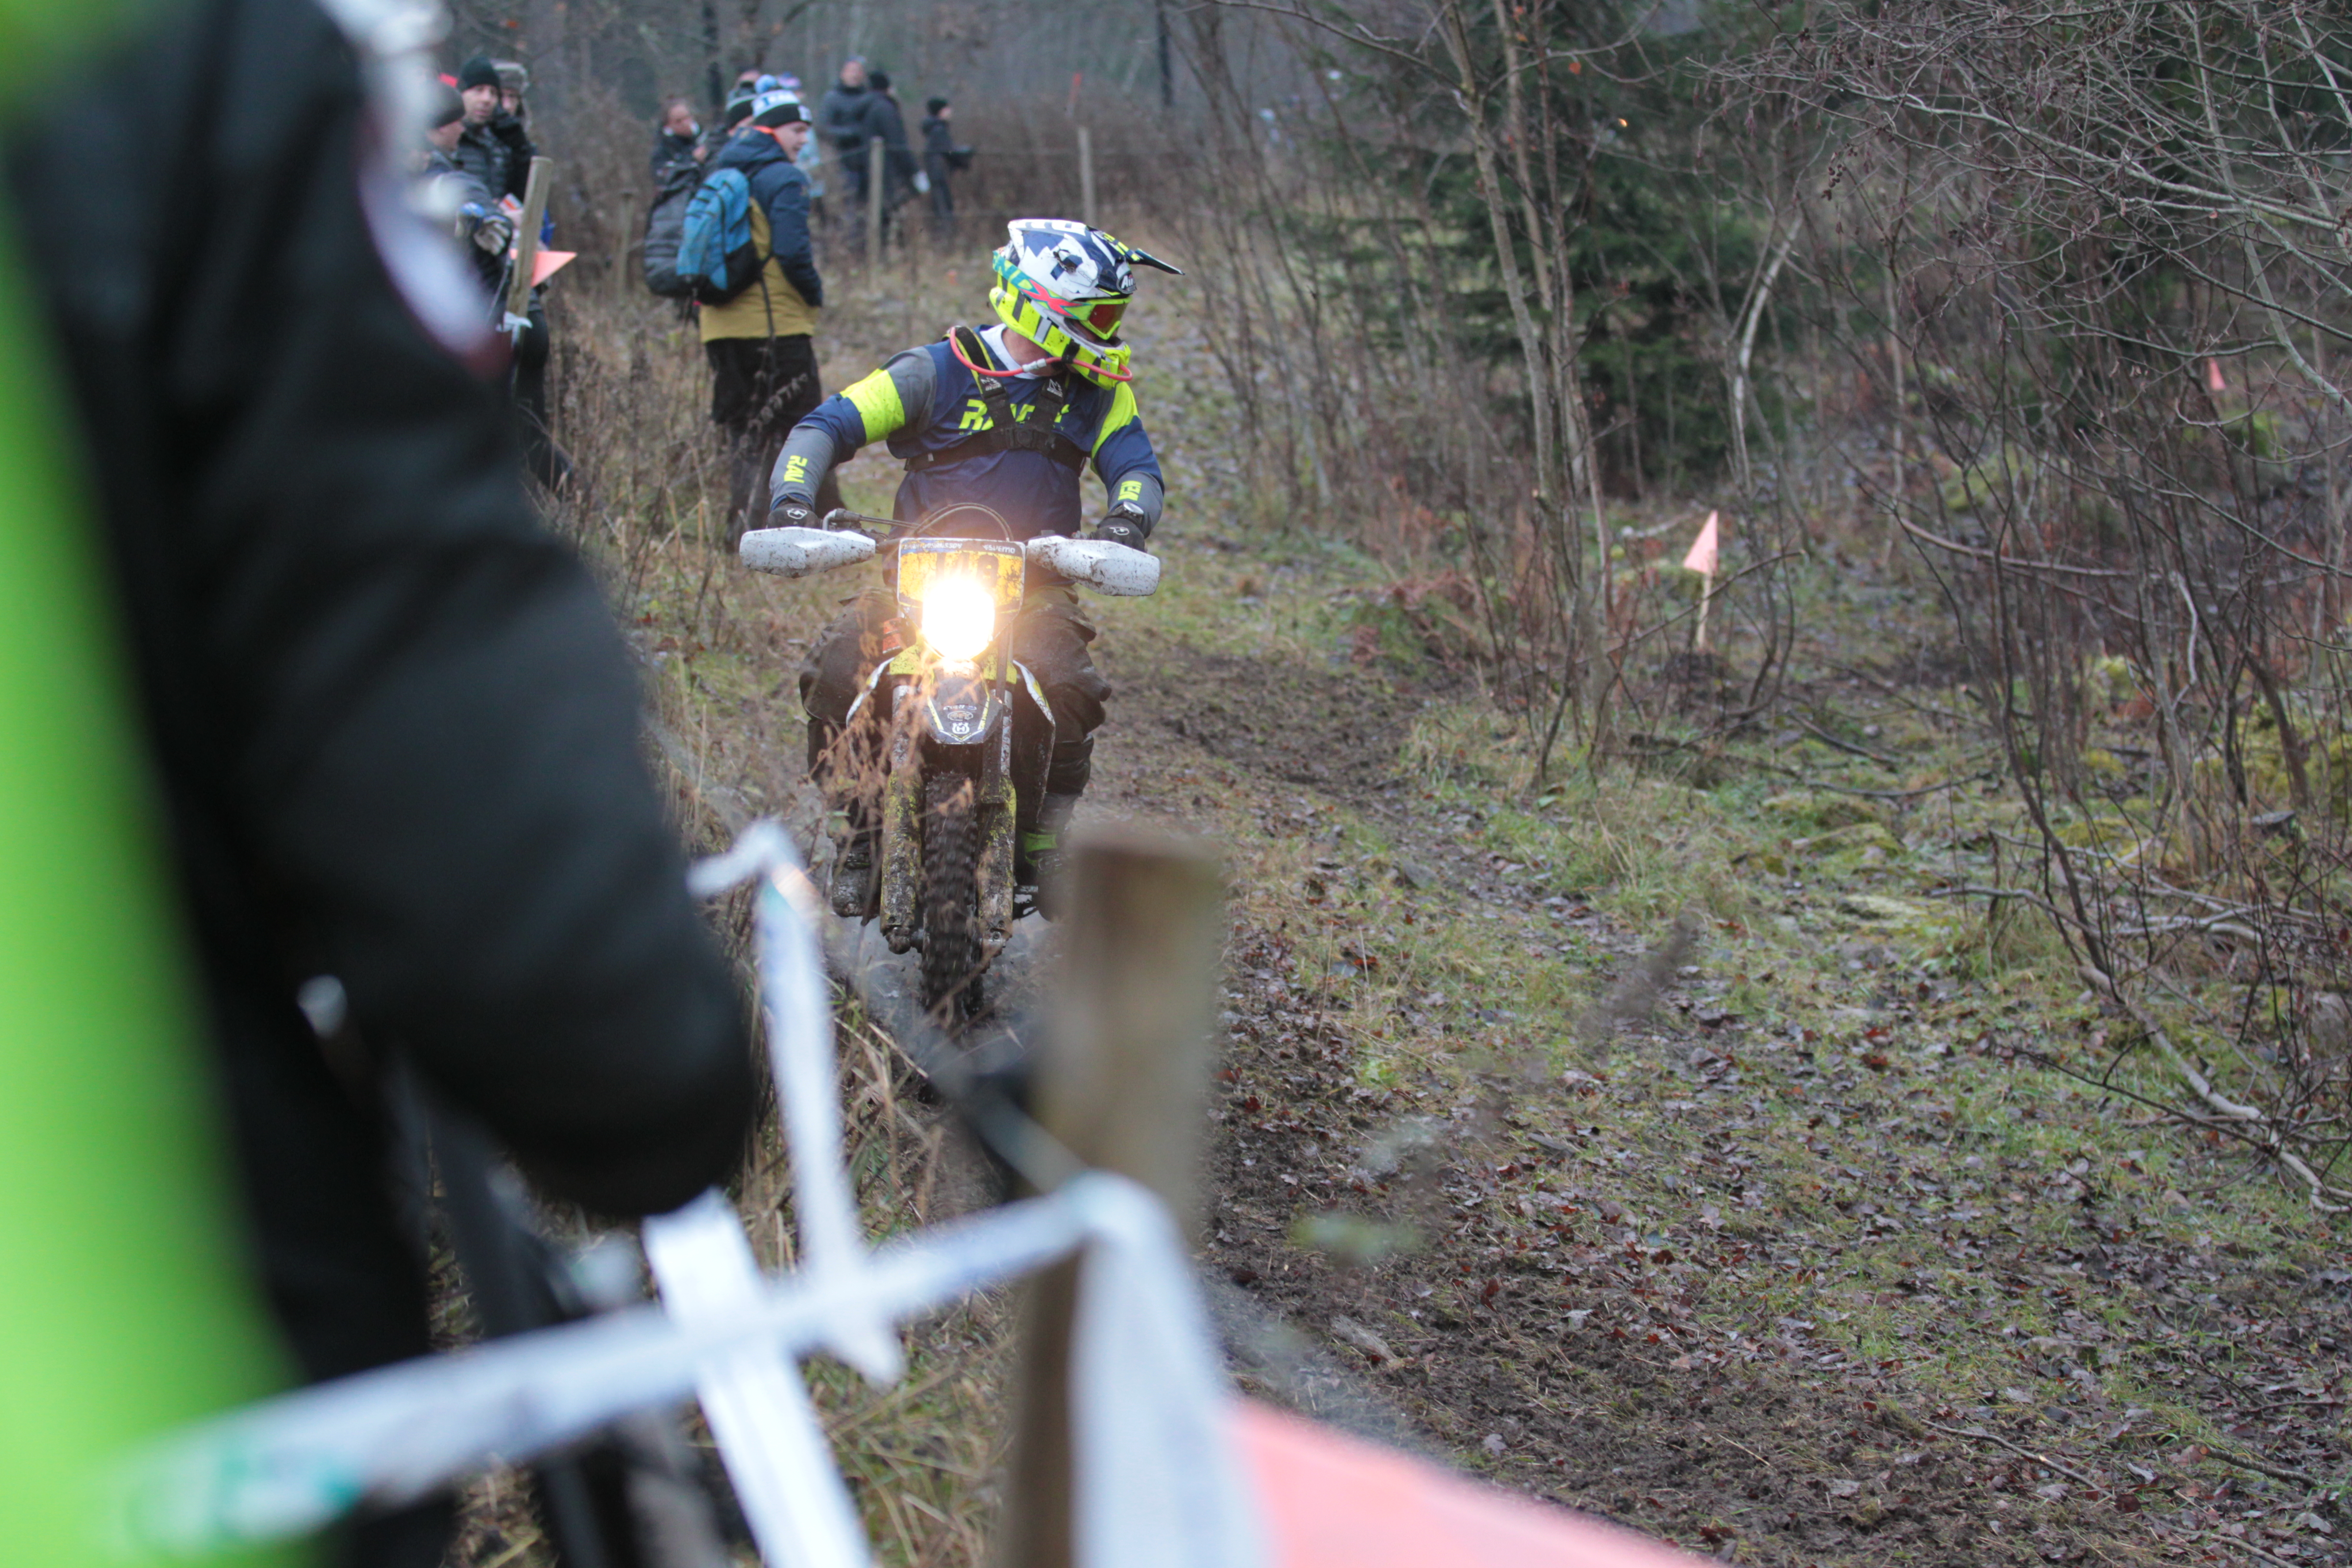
{"type": "Point", "coordinates": [959, 617]}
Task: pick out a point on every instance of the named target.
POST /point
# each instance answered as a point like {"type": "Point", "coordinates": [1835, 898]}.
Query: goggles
{"type": "Point", "coordinates": [1098, 319]}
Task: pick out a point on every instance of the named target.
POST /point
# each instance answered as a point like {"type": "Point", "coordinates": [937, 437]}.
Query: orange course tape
{"type": "Point", "coordinates": [1331, 1502]}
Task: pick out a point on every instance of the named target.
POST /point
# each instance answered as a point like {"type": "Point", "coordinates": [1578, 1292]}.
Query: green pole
{"type": "Point", "coordinates": [128, 1304]}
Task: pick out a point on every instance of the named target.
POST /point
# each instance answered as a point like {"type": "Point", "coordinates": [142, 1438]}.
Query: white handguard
{"type": "Point", "coordinates": [1096, 564]}
{"type": "Point", "coordinates": [805, 552]}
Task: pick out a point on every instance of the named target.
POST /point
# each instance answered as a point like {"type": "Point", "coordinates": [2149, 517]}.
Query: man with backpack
{"type": "Point", "coordinates": [747, 253]}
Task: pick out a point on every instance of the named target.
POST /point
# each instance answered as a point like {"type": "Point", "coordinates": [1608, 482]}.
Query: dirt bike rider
{"type": "Point", "coordinates": [1004, 419]}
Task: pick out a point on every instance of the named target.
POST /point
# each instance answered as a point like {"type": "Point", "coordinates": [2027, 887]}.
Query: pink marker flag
{"type": "Point", "coordinates": [1333, 1501]}
{"type": "Point", "coordinates": [1706, 551]}
{"type": "Point", "coordinates": [2213, 381]}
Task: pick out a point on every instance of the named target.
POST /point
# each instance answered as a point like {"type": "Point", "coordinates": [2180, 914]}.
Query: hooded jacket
{"type": "Point", "coordinates": [783, 300]}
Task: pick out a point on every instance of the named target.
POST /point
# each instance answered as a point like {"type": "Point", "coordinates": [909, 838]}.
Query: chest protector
{"type": "Point", "coordinates": [1007, 432]}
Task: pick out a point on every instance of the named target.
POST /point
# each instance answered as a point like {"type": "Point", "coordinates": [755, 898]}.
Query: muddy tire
{"type": "Point", "coordinates": [951, 896]}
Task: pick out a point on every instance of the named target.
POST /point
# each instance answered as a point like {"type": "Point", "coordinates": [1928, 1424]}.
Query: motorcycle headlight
{"type": "Point", "coordinates": [959, 617]}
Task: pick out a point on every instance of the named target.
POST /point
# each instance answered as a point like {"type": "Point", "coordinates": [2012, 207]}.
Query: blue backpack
{"type": "Point", "coordinates": [716, 256]}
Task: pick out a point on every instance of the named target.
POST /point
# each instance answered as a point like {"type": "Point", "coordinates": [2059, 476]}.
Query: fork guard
{"type": "Point", "coordinates": [902, 837]}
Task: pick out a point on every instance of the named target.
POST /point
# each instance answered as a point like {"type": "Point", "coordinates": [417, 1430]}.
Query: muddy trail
{"type": "Point", "coordinates": [1683, 1282]}
{"type": "Point", "coordinates": [1666, 1138]}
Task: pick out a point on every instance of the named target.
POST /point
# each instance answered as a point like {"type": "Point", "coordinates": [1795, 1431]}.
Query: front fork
{"type": "Point", "coordinates": [902, 830]}
{"type": "Point", "coordinates": [999, 810]}
{"type": "Point", "coordinates": [902, 824]}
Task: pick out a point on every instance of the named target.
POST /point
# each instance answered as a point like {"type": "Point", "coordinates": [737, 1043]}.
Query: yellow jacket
{"type": "Point", "coordinates": [770, 307]}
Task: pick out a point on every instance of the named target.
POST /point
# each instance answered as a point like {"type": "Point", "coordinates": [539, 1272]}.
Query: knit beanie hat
{"type": "Point", "coordinates": [446, 106]}
{"type": "Point", "coordinates": [476, 72]}
{"type": "Point", "coordinates": [935, 105]}
{"type": "Point", "coordinates": [777, 108]}
{"type": "Point", "coordinates": [738, 109]}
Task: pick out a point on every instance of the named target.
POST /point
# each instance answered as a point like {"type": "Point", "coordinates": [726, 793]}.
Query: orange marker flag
{"type": "Point", "coordinates": [1333, 1501]}
{"type": "Point", "coordinates": [1705, 551]}
{"type": "Point", "coordinates": [2213, 381]}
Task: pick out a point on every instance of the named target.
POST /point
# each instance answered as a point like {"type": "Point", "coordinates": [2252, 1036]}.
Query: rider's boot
{"type": "Point", "coordinates": [855, 891]}
{"type": "Point", "coordinates": [1042, 856]}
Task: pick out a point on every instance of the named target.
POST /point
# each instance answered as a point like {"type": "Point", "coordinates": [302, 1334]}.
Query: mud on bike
{"type": "Point", "coordinates": [965, 730]}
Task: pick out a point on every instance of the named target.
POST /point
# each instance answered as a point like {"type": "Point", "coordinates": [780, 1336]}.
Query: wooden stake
{"type": "Point", "coordinates": [1705, 601]}
{"type": "Point", "coordinates": [875, 198]}
{"type": "Point", "coordinates": [1086, 175]}
{"type": "Point", "coordinates": [620, 242]}
{"type": "Point", "coordinates": [1121, 1080]}
{"type": "Point", "coordinates": [526, 249]}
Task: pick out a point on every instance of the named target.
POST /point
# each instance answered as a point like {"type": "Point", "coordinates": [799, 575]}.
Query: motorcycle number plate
{"type": "Point", "coordinates": [999, 566]}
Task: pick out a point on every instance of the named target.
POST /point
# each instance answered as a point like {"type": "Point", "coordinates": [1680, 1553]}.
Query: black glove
{"type": "Point", "coordinates": [1121, 525]}
{"type": "Point", "coordinates": [790, 513]}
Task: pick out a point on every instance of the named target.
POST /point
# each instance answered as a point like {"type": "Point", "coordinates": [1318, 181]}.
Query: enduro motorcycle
{"type": "Point", "coordinates": [965, 729]}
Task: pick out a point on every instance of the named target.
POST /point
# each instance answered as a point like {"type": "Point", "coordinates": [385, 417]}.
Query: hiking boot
{"type": "Point", "coordinates": [856, 891]}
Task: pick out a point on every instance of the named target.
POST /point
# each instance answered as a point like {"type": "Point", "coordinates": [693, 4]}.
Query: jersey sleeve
{"type": "Point", "coordinates": [874, 409]}
{"type": "Point", "coordinates": [1123, 456]}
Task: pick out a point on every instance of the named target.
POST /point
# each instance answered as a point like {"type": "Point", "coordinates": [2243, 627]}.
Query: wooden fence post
{"type": "Point", "coordinates": [621, 242]}
{"type": "Point", "coordinates": [526, 256]}
{"type": "Point", "coordinates": [1086, 175]}
{"type": "Point", "coordinates": [1122, 1080]}
{"type": "Point", "coordinates": [876, 197]}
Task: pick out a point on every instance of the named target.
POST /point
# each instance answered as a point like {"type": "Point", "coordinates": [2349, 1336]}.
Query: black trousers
{"type": "Point", "coordinates": [1050, 638]}
{"type": "Point", "coordinates": [760, 388]}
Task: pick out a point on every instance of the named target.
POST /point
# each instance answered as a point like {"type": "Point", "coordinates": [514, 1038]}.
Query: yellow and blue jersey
{"type": "Point", "coordinates": [926, 404]}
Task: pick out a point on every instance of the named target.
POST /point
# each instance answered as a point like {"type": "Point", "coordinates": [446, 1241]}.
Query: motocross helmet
{"type": "Point", "coordinates": [1066, 287]}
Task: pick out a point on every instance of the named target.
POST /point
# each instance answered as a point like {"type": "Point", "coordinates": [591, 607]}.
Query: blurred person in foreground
{"type": "Point", "coordinates": [394, 725]}
{"type": "Point", "coordinates": [761, 342]}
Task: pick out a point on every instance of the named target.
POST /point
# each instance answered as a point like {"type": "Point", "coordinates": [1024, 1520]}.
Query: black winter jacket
{"type": "Point", "coordinates": [498, 154]}
{"type": "Point", "coordinates": [841, 119]}
{"type": "Point", "coordinates": [884, 124]}
{"type": "Point", "coordinates": [396, 728]}
{"type": "Point", "coordinates": [674, 164]}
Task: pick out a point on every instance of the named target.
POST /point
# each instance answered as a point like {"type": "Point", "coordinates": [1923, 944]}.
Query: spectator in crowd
{"type": "Point", "coordinates": [761, 342]}
{"type": "Point", "coordinates": [885, 124]}
{"type": "Point", "coordinates": [678, 146]}
{"type": "Point", "coordinates": [455, 196]}
{"type": "Point", "coordinates": [840, 120]}
{"type": "Point", "coordinates": [513, 82]}
{"type": "Point", "coordinates": [394, 727]}
{"type": "Point", "coordinates": [811, 159]}
{"type": "Point", "coordinates": [494, 147]}
{"type": "Point", "coordinates": [942, 160]}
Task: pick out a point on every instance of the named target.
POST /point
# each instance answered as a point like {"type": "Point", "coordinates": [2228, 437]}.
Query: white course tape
{"type": "Point", "coordinates": [799, 1007]}
{"type": "Point", "coordinates": [799, 1049]}
{"type": "Point", "coordinates": [767, 1430]}
{"type": "Point", "coordinates": [292, 1464]}
{"type": "Point", "coordinates": [1158, 1483]}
